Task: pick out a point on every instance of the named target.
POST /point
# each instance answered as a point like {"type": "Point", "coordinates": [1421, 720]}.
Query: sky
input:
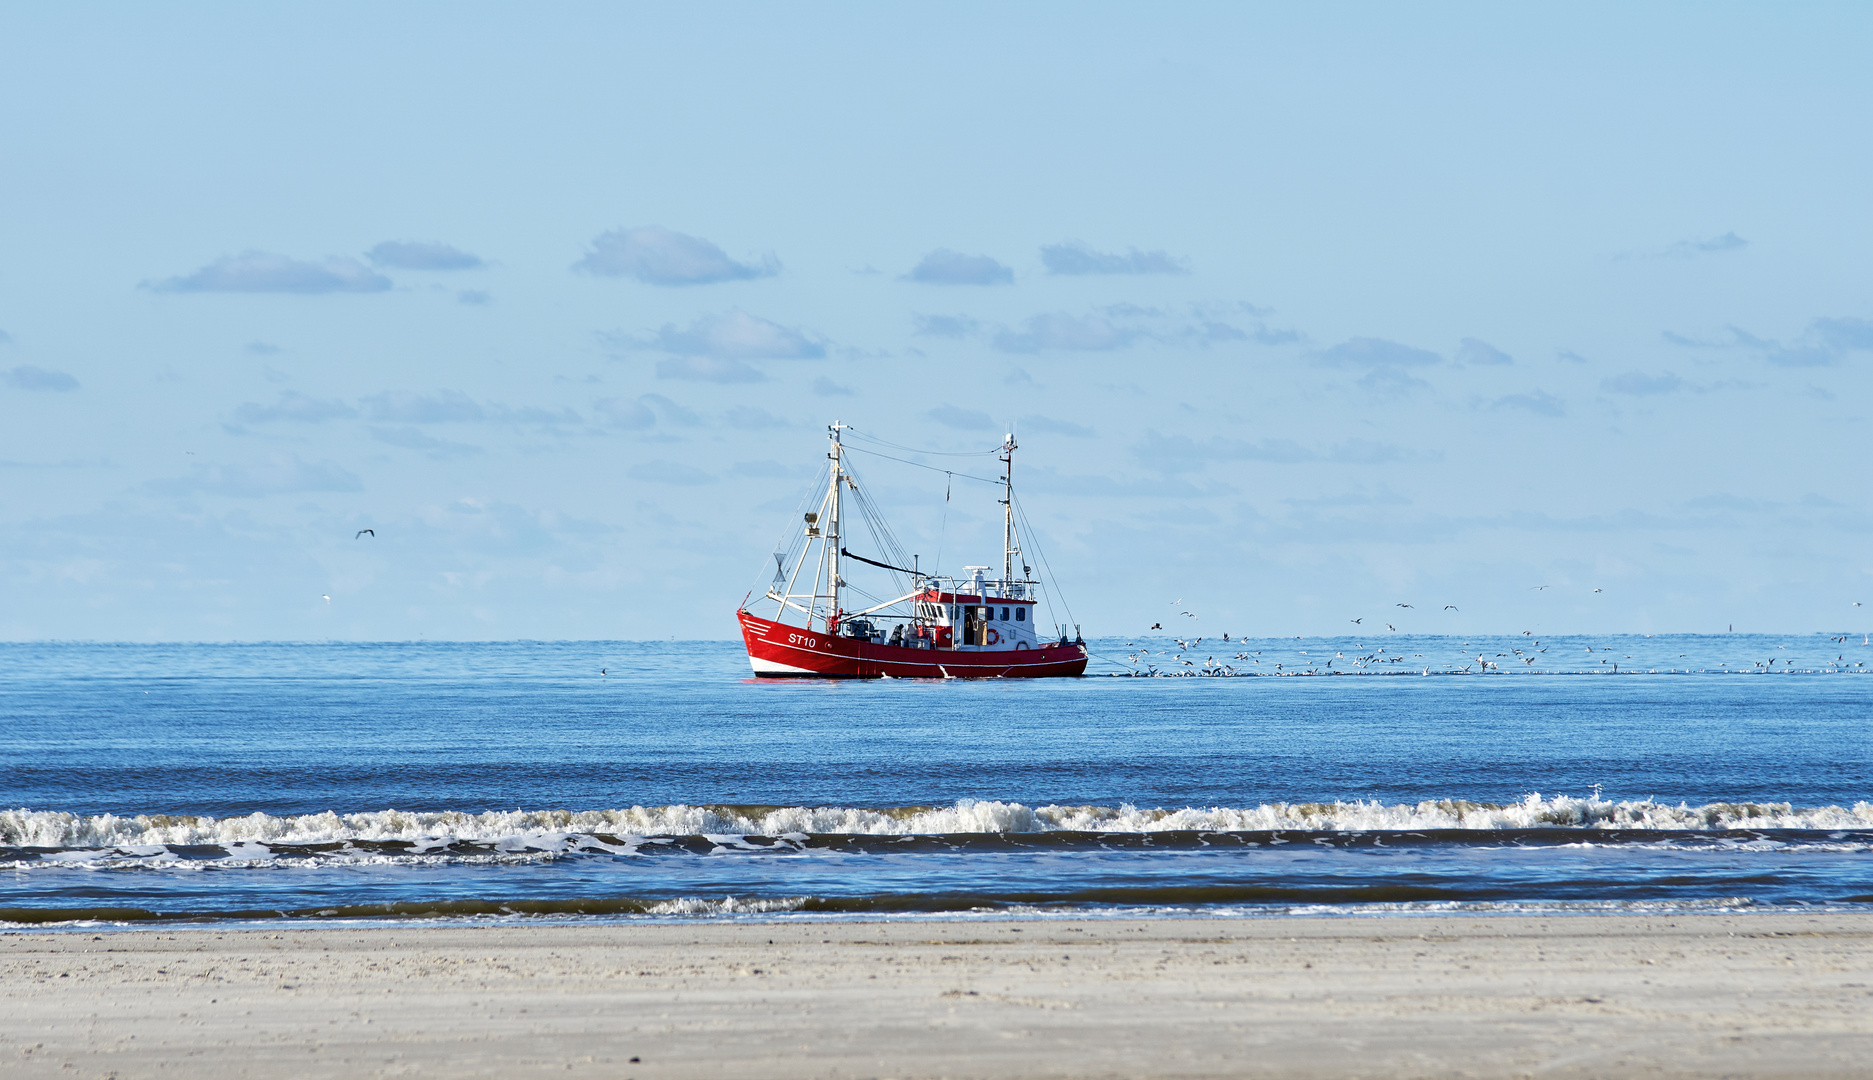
{"type": "Point", "coordinates": [1531, 318]}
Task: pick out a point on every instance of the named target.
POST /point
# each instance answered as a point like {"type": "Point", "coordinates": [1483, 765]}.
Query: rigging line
{"type": "Point", "coordinates": [916, 450]}
{"type": "Point", "coordinates": [1034, 535]}
{"type": "Point", "coordinates": [921, 465]}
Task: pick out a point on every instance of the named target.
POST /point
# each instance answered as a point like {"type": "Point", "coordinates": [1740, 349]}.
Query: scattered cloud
{"type": "Point", "coordinates": [264, 272]}
{"type": "Point", "coordinates": [1059, 330]}
{"type": "Point", "coordinates": [278, 475]}
{"type": "Point", "coordinates": [1844, 333]}
{"type": "Point", "coordinates": [5, 338]}
{"type": "Point", "coordinates": [946, 267]}
{"type": "Point", "coordinates": [294, 406]}
{"type": "Point", "coordinates": [708, 369]}
{"type": "Point", "coordinates": [658, 256]}
{"type": "Point", "coordinates": [1570, 357]}
{"type": "Point", "coordinates": [262, 348]}
{"type": "Point", "coordinates": [413, 439]}
{"type": "Point", "coordinates": [749, 418]}
{"type": "Point", "coordinates": [632, 415]}
{"type": "Point", "coordinates": [441, 407]}
{"type": "Point", "coordinates": [1538, 402]}
{"type": "Point", "coordinates": [948, 326]}
{"type": "Point", "coordinates": [825, 387]}
{"type": "Point", "coordinates": [1049, 425]}
{"type": "Point", "coordinates": [1802, 356]}
{"type": "Point", "coordinates": [422, 255]}
{"type": "Point", "coordinates": [766, 470]}
{"type": "Point", "coordinates": [734, 335]}
{"type": "Point", "coordinates": [474, 298]}
{"type": "Point", "coordinates": [1074, 257]}
{"type": "Point", "coordinates": [1687, 249]}
{"type": "Point", "coordinates": [670, 472]}
{"type": "Point", "coordinates": [1181, 453]}
{"type": "Point", "coordinates": [1638, 383]}
{"type": "Point", "coordinates": [1375, 353]}
{"type": "Point", "coordinates": [27, 377]}
{"type": "Point", "coordinates": [961, 419]}
{"type": "Point", "coordinates": [1472, 351]}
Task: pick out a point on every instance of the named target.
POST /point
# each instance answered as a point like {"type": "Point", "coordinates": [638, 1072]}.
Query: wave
{"type": "Point", "coordinates": [45, 829]}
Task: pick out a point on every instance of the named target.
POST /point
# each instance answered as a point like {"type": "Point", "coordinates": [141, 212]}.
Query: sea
{"type": "Point", "coordinates": [316, 783]}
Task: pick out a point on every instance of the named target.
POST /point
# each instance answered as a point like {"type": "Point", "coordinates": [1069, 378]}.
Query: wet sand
{"type": "Point", "coordinates": [1759, 995]}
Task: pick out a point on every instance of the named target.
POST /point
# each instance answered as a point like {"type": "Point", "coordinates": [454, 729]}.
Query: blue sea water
{"type": "Point", "coordinates": [660, 780]}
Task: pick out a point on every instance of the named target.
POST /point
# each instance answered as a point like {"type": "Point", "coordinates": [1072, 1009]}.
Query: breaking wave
{"type": "Point", "coordinates": [26, 828]}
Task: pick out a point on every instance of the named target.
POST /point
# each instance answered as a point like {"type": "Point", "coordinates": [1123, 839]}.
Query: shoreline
{"type": "Point", "coordinates": [1748, 994]}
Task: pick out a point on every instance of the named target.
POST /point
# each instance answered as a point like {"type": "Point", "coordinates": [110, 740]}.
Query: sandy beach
{"type": "Point", "coordinates": [1758, 995]}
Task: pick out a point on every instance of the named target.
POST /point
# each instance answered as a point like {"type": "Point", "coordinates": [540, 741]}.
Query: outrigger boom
{"type": "Point", "coordinates": [942, 627]}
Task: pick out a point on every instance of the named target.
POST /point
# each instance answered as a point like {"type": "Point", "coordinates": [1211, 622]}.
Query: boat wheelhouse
{"type": "Point", "coordinates": [932, 625]}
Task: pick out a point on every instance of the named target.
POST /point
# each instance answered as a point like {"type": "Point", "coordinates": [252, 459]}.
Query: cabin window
{"type": "Point", "coordinates": [1004, 613]}
{"type": "Point", "coordinates": [1021, 614]}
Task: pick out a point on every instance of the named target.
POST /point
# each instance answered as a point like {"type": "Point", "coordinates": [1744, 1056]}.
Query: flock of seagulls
{"type": "Point", "coordinates": [1181, 662]}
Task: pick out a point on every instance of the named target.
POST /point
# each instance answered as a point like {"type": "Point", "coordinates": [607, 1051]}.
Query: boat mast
{"type": "Point", "coordinates": [1008, 512]}
{"type": "Point", "coordinates": [832, 541]}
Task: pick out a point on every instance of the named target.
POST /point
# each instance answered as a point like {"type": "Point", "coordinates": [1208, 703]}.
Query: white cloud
{"type": "Point", "coordinates": [1472, 351]}
{"type": "Point", "coordinates": [296, 406]}
{"type": "Point", "coordinates": [949, 326]}
{"type": "Point", "coordinates": [414, 439]}
{"type": "Point", "coordinates": [1059, 330]}
{"type": "Point", "coordinates": [1539, 402]}
{"type": "Point", "coordinates": [279, 474]}
{"type": "Point", "coordinates": [659, 256]}
{"type": "Point", "coordinates": [27, 377]}
{"type": "Point", "coordinates": [441, 407]}
{"type": "Point", "coordinates": [264, 272]}
{"type": "Point", "coordinates": [1049, 425]}
{"type": "Point", "coordinates": [946, 267]}
{"type": "Point", "coordinates": [1073, 257]}
{"type": "Point", "coordinates": [734, 335]}
{"type": "Point", "coordinates": [961, 419]}
{"type": "Point", "coordinates": [1375, 353]}
{"type": "Point", "coordinates": [825, 387]}
{"type": "Point", "coordinates": [422, 255]}
{"type": "Point", "coordinates": [1638, 383]}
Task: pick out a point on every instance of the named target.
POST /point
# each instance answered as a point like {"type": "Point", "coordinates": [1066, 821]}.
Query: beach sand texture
{"type": "Point", "coordinates": [1755, 995]}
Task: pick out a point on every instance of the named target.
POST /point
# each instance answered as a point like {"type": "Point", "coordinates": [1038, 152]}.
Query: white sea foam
{"type": "Point", "coordinates": [536, 830]}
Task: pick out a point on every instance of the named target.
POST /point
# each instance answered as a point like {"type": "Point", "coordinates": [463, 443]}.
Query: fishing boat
{"type": "Point", "coordinates": [932, 625]}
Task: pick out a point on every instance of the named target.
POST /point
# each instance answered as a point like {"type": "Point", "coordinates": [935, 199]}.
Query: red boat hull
{"type": "Point", "coordinates": [777, 650]}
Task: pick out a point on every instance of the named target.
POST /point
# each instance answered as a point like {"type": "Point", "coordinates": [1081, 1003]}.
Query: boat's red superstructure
{"type": "Point", "coordinates": [943, 628]}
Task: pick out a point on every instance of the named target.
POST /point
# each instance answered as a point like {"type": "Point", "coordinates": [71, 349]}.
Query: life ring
{"type": "Point", "coordinates": [995, 636]}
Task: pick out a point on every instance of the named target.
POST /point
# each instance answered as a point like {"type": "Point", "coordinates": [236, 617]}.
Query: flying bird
{"type": "Point", "coordinates": [1356, 621]}
{"type": "Point", "coordinates": [372, 533]}
{"type": "Point", "coordinates": [1450, 607]}
{"type": "Point", "coordinates": [1596, 590]}
{"type": "Point", "coordinates": [1536, 588]}
{"type": "Point", "coordinates": [1157, 626]}
{"type": "Point", "coordinates": [1401, 605]}
{"type": "Point", "coordinates": [327, 597]}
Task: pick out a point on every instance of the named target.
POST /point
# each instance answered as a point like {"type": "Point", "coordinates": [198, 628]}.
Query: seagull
{"type": "Point", "coordinates": [1392, 628]}
{"type": "Point", "coordinates": [1357, 621]}
{"type": "Point", "coordinates": [326, 597]}
{"type": "Point", "coordinates": [1177, 601]}
{"type": "Point", "coordinates": [1157, 626]}
{"type": "Point", "coordinates": [1450, 607]}
{"type": "Point", "coordinates": [1536, 588]}
{"type": "Point", "coordinates": [1596, 590]}
{"type": "Point", "coordinates": [602, 671]}
{"type": "Point", "coordinates": [1401, 605]}
{"type": "Point", "coordinates": [372, 533]}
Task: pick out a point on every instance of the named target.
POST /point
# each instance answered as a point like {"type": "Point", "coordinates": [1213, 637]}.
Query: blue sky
{"type": "Point", "coordinates": [1302, 312]}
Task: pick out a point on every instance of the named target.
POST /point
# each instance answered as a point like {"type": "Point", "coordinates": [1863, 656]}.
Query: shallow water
{"type": "Point", "coordinates": [471, 780]}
